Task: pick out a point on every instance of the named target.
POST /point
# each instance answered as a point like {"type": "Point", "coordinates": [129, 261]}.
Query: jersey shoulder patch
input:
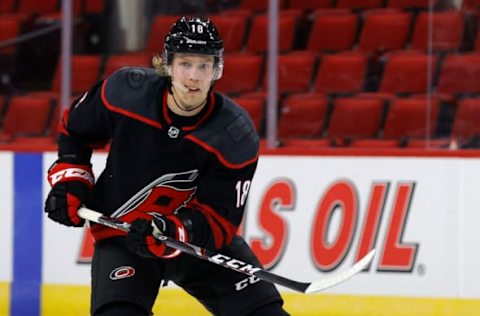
{"type": "Point", "coordinates": [230, 134]}
{"type": "Point", "coordinates": [134, 92]}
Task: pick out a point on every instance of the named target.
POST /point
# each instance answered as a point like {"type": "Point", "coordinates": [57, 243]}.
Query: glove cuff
{"type": "Point", "coordinates": [180, 235]}
{"type": "Point", "coordinates": [65, 172]}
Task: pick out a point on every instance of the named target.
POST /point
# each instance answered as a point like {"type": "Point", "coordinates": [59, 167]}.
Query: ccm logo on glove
{"type": "Point", "coordinates": [65, 172]}
{"type": "Point", "coordinates": [71, 188]}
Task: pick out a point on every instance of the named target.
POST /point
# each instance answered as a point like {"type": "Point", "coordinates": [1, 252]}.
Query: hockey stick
{"type": "Point", "coordinates": [234, 264]}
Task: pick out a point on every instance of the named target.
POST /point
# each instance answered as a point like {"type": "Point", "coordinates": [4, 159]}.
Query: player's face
{"type": "Point", "coordinates": [191, 77]}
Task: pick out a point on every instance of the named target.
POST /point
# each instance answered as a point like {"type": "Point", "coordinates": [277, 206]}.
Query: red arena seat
{"type": "Point", "coordinates": [26, 116]}
{"type": "Point", "coordinates": [341, 73]}
{"type": "Point", "coordinates": [407, 72]}
{"type": "Point", "coordinates": [85, 73]}
{"type": "Point", "coordinates": [295, 72]}
{"type": "Point", "coordinates": [411, 118]}
{"type": "Point", "coordinates": [447, 31]}
{"type": "Point", "coordinates": [302, 116]}
{"type": "Point", "coordinates": [241, 73]}
{"type": "Point", "coordinates": [332, 31]}
{"type": "Point", "coordinates": [467, 119]}
{"type": "Point", "coordinates": [384, 30]}
{"type": "Point", "coordinates": [232, 29]}
{"type": "Point", "coordinates": [355, 118]}
{"type": "Point", "coordinates": [359, 4]}
{"type": "Point", "coordinates": [459, 74]}
{"type": "Point", "coordinates": [310, 5]}
{"type": "Point", "coordinates": [158, 31]}
{"type": "Point", "coordinates": [258, 35]}
{"type": "Point", "coordinates": [410, 4]}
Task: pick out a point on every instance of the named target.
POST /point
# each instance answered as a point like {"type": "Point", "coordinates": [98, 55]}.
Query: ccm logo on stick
{"type": "Point", "coordinates": [234, 263]}
{"type": "Point", "coordinates": [246, 282]}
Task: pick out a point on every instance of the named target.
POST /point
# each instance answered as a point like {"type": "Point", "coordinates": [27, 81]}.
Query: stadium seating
{"type": "Point", "coordinates": [410, 4]}
{"type": "Point", "coordinates": [258, 36]}
{"type": "Point", "coordinates": [476, 44]}
{"type": "Point", "coordinates": [341, 73]}
{"type": "Point", "coordinates": [10, 27]}
{"type": "Point", "coordinates": [241, 73]}
{"type": "Point", "coordinates": [332, 31]}
{"type": "Point", "coordinates": [411, 118]}
{"type": "Point", "coordinates": [310, 5]}
{"type": "Point", "coordinates": [302, 116]}
{"type": "Point", "coordinates": [255, 108]}
{"type": "Point", "coordinates": [233, 29]}
{"type": "Point", "coordinates": [354, 118]}
{"type": "Point", "coordinates": [36, 7]}
{"type": "Point", "coordinates": [115, 62]}
{"type": "Point", "coordinates": [7, 6]}
{"type": "Point", "coordinates": [471, 4]}
{"type": "Point", "coordinates": [467, 119]}
{"type": "Point", "coordinates": [459, 74]}
{"type": "Point", "coordinates": [447, 31]}
{"type": "Point", "coordinates": [295, 72]}
{"type": "Point", "coordinates": [345, 68]}
{"type": "Point", "coordinates": [93, 6]}
{"type": "Point", "coordinates": [259, 6]}
{"type": "Point", "coordinates": [359, 4]}
{"type": "Point", "coordinates": [80, 7]}
{"type": "Point", "coordinates": [3, 103]}
{"type": "Point", "coordinates": [408, 123]}
{"type": "Point", "coordinates": [158, 31]}
{"type": "Point", "coordinates": [85, 73]}
{"type": "Point", "coordinates": [26, 115]}
{"type": "Point", "coordinates": [384, 30]}
{"type": "Point", "coordinates": [407, 72]}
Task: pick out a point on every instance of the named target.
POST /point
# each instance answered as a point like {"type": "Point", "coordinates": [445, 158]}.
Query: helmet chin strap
{"type": "Point", "coordinates": [182, 108]}
{"type": "Point", "coordinates": [180, 87]}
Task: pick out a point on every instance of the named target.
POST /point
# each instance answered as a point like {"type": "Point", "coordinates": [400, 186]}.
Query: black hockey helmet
{"type": "Point", "coordinates": [197, 36]}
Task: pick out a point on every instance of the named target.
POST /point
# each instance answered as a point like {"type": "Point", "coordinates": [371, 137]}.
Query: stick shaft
{"type": "Point", "coordinates": [232, 263]}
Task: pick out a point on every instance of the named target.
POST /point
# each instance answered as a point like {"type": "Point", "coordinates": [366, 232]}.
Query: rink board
{"type": "Point", "coordinates": [73, 300]}
{"type": "Point", "coordinates": [429, 206]}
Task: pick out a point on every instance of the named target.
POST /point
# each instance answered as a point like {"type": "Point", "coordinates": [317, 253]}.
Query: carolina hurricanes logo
{"type": "Point", "coordinates": [122, 273]}
{"type": "Point", "coordinates": [164, 195]}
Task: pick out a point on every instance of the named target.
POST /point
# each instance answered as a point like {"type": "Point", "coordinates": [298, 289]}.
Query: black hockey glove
{"type": "Point", "coordinates": [71, 187]}
{"type": "Point", "coordinates": [141, 241]}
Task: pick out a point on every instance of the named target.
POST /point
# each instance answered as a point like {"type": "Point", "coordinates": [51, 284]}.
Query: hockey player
{"type": "Point", "coordinates": [180, 162]}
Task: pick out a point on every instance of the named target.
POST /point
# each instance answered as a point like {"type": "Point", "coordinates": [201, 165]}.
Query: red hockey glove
{"type": "Point", "coordinates": [141, 241]}
{"type": "Point", "coordinates": [71, 187]}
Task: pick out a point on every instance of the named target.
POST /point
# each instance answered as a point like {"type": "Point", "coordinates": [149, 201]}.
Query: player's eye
{"type": "Point", "coordinates": [205, 67]}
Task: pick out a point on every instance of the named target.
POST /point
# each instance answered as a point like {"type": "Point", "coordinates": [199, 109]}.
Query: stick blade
{"type": "Point", "coordinates": [341, 277]}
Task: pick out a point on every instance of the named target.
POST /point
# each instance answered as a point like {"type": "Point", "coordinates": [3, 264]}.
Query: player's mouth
{"type": "Point", "coordinates": [192, 89]}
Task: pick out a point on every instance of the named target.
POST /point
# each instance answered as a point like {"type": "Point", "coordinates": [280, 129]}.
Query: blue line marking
{"type": "Point", "coordinates": [27, 243]}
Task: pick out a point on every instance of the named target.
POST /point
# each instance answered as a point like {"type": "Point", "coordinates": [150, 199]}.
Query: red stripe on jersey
{"type": "Point", "coordinates": [223, 230]}
{"type": "Point", "coordinates": [219, 155]}
{"type": "Point", "coordinates": [209, 111]}
{"type": "Point", "coordinates": [118, 109]}
{"type": "Point", "coordinates": [63, 122]}
{"type": "Point", "coordinates": [169, 120]}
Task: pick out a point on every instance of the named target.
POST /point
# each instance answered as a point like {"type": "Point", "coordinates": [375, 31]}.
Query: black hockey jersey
{"type": "Point", "coordinates": [199, 168]}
